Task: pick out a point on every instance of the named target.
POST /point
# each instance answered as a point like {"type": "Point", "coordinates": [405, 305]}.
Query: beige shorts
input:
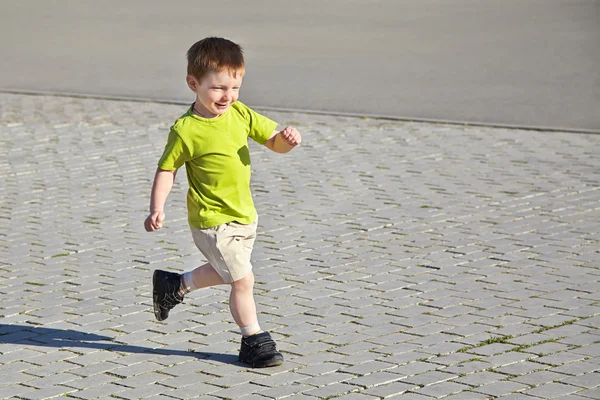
{"type": "Point", "coordinates": [227, 248]}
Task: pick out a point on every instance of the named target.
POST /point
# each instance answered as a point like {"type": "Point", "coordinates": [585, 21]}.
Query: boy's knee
{"type": "Point", "coordinates": [245, 283]}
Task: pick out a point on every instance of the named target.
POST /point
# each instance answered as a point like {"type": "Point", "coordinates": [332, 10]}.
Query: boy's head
{"type": "Point", "coordinates": [215, 72]}
{"type": "Point", "coordinates": [214, 54]}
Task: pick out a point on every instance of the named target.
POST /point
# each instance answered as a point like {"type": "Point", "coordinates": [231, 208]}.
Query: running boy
{"type": "Point", "coordinates": [211, 139]}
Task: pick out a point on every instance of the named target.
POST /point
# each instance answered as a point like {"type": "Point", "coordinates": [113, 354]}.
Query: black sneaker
{"type": "Point", "coordinates": [260, 351]}
{"type": "Point", "coordinates": [165, 293]}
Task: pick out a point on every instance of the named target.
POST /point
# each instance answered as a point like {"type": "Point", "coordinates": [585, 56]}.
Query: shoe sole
{"type": "Point", "coordinates": [271, 363]}
{"type": "Point", "coordinates": [274, 362]}
{"type": "Point", "coordinates": [155, 298]}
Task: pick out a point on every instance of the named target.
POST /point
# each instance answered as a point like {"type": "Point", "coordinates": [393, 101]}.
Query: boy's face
{"type": "Point", "coordinates": [215, 92]}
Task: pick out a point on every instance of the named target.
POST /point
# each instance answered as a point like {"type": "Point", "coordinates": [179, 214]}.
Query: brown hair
{"type": "Point", "coordinates": [214, 54]}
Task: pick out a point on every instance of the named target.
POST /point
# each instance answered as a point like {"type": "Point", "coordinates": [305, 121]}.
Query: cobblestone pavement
{"type": "Point", "coordinates": [395, 259]}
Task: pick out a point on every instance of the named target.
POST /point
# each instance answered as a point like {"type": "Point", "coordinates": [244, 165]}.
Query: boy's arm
{"type": "Point", "coordinates": [163, 183]}
{"type": "Point", "coordinates": [284, 141]}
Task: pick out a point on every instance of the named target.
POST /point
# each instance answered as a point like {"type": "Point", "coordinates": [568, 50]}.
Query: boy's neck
{"type": "Point", "coordinates": [198, 113]}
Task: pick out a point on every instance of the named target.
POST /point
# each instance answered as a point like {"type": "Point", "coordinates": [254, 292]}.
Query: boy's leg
{"type": "Point", "coordinates": [201, 277]}
{"type": "Point", "coordinates": [241, 297]}
{"type": "Point", "coordinates": [242, 305]}
{"type": "Point", "coordinates": [257, 348]}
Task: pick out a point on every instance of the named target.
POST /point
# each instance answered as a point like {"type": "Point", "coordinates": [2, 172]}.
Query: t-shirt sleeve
{"type": "Point", "coordinates": [261, 127]}
{"type": "Point", "coordinates": [175, 154]}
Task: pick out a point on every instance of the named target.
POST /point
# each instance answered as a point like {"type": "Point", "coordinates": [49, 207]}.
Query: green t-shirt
{"type": "Point", "coordinates": [217, 162]}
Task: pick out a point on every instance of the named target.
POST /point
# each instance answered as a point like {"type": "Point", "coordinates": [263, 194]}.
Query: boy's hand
{"type": "Point", "coordinates": [154, 221]}
{"type": "Point", "coordinates": [291, 136]}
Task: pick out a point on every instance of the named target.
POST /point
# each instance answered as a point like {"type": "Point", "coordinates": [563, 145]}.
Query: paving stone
{"type": "Point", "coordinates": [91, 381]}
{"type": "Point", "coordinates": [469, 396]}
{"type": "Point", "coordinates": [375, 379]}
{"type": "Point", "coordinates": [12, 391]}
{"type": "Point", "coordinates": [235, 391]}
{"type": "Point", "coordinates": [540, 377]}
{"type": "Point", "coordinates": [580, 338]}
{"type": "Point", "coordinates": [194, 389]}
{"type": "Point", "coordinates": [509, 358]}
{"type": "Point", "coordinates": [590, 393]}
{"type": "Point", "coordinates": [144, 391]}
{"type": "Point", "coordinates": [561, 358]}
{"type": "Point", "coordinates": [329, 379]}
{"type": "Point", "coordinates": [593, 350]}
{"type": "Point", "coordinates": [390, 390]}
{"type": "Point", "coordinates": [442, 390]}
{"type": "Point", "coordinates": [368, 368]}
{"type": "Point", "coordinates": [451, 360]}
{"type": "Point", "coordinates": [588, 381]}
{"type": "Point", "coordinates": [48, 392]}
{"type": "Point", "coordinates": [52, 380]}
{"type": "Point", "coordinates": [414, 368]}
{"type": "Point", "coordinates": [489, 350]}
{"type": "Point", "coordinates": [332, 390]}
{"type": "Point", "coordinates": [547, 348]}
{"type": "Point", "coordinates": [52, 369]}
{"type": "Point", "coordinates": [480, 378]}
{"type": "Point", "coordinates": [321, 369]}
{"type": "Point", "coordinates": [520, 368]}
{"type": "Point", "coordinates": [357, 396]}
{"type": "Point", "coordinates": [552, 390]}
{"type": "Point", "coordinates": [429, 378]}
{"type": "Point", "coordinates": [283, 391]}
{"type": "Point", "coordinates": [94, 369]}
{"type": "Point", "coordinates": [277, 380]}
{"type": "Point", "coordinates": [109, 390]}
{"type": "Point", "coordinates": [295, 397]}
{"type": "Point", "coordinates": [434, 340]}
{"type": "Point", "coordinates": [500, 388]}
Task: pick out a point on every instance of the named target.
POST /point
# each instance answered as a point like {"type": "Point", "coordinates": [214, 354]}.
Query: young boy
{"type": "Point", "coordinates": [211, 139]}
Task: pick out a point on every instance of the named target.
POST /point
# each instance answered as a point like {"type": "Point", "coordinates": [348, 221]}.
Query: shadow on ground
{"type": "Point", "coordinates": [28, 335]}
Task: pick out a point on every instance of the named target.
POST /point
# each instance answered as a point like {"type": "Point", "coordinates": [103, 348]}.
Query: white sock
{"type": "Point", "coordinates": [187, 282]}
{"type": "Point", "coordinates": [250, 330]}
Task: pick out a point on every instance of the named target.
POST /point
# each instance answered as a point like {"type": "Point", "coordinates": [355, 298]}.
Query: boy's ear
{"type": "Point", "coordinates": [192, 83]}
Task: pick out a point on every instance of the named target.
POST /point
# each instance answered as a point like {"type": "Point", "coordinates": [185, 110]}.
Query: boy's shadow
{"type": "Point", "coordinates": [60, 338]}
